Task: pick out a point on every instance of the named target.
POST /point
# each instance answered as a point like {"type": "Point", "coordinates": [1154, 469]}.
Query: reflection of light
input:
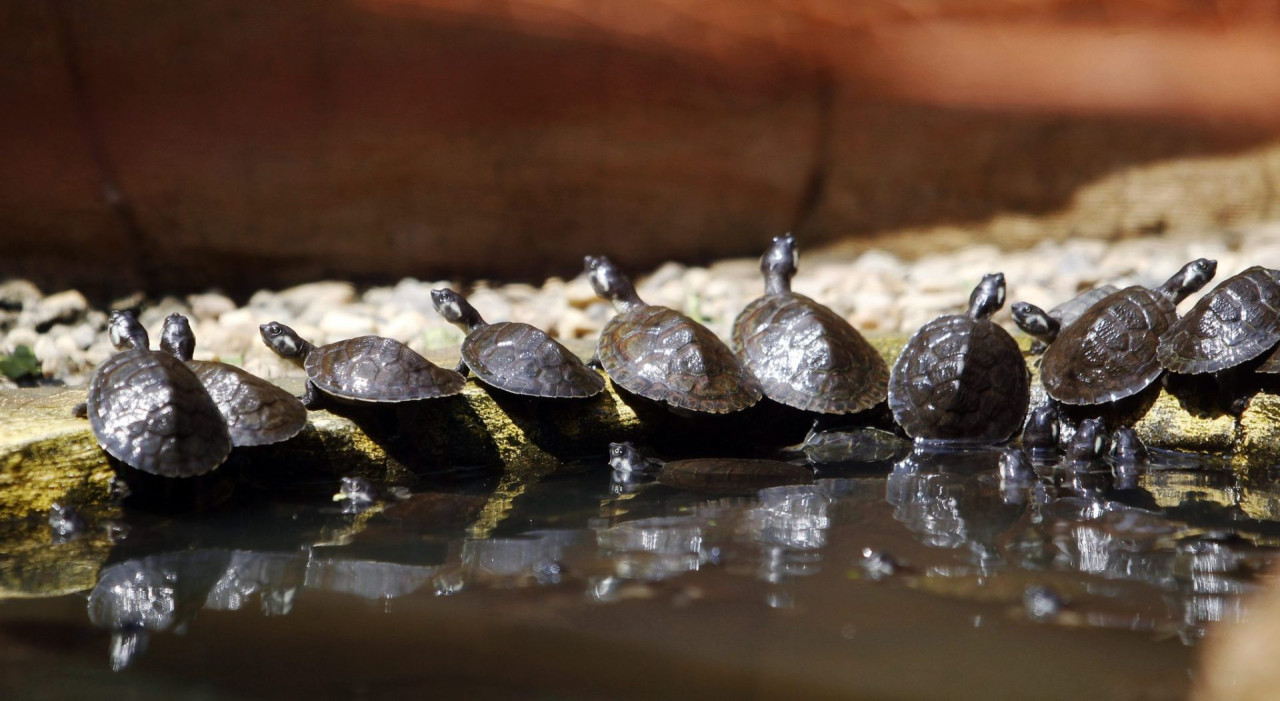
{"type": "Point", "coordinates": [654, 548]}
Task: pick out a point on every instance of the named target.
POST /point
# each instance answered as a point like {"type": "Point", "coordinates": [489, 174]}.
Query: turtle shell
{"type": "Point", "coordinates": [960, 379]}
{"type": "Point", "coordinates": [661, 354]}
{"type": "Point", "coordinates": [522, 359]}
{"type": "Point", "coordinates": [1109, 353]}
{"type": "Point", "coordinates": [257, 412]}
{"type": "Point", "coordinates": [152, 413]}
{"type": "Point", "coordinates": [1237, 321]}
{"type": "Point", "coordinates": [377, 369]}
{"type": "Point", "coordinates": [1072, 309]}
{"type": "Point", "coordinates": [732, 475]}
{"type": "Point", "coordinates": [808, 357]}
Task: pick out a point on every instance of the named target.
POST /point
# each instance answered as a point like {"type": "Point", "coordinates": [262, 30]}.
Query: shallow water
{"type": "Point", "coordinates": [891, 580]}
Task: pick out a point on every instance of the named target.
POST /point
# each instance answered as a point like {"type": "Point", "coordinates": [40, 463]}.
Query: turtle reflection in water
{"type": "Point", "coordinates": [718, 475]}
{"type": "Point", "coordinates": [362, 369]}
{"type": "Point", "coordinates": [149, 411]}
{"type": "Point", "coordinates": [516, 357]}
{"type": "Point", "coordinates": [961, 377]}
{"type": "Point", "coordinates": [864, 444]}
{"type": "Point", "coordinates": [805, 355]}
{"type": "Point", "coordinates": [663, 355]}
{"type": "Point", "coordinates": [257, 412]}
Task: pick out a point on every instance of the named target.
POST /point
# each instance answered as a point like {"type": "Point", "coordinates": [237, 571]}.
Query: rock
{"type": "Point", "coordinates": [66, 307]}
{"type": "Point", "coordinates": [210, 306]}
{"type": "Point", "coordinates": [18, 294]}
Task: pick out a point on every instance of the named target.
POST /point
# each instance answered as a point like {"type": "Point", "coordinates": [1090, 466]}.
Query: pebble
{"type": "Point", "coordinates": [876, 291]}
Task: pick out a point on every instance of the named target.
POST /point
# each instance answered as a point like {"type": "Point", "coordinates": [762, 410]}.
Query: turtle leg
{"type": "Point", "coordinates": [81, 410]}
{"type": "Point", "coordinates": [310, 398]}
{"type": "Point", "coordinates": [595, 361]}
{"type": "Point", "coordinates": [462, 368]}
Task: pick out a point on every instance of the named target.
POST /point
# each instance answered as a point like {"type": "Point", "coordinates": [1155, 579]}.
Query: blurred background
{"type": "Point", "coordinates": [174, 147]}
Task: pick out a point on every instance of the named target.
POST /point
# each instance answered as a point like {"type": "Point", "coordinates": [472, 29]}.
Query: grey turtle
{"type": "Point", "coordinates": [663, 355]}
{"type": "Point", "coordinates": [516, 357]}
{"type": "Point", "coordinates": [1234, 323]}
{"type": "Point", "coordinates": [149, 411]}
{"type": "Point", "coordinates": [962, 377]}
{"type": "Point", "coordinates": [805, 355]}
{"type": "Point", "coordinates": [1109, 353]}
{"type": "Point", "coordinates": [257, 412]}
{"type": "Point", "coordinates": [362, 369]}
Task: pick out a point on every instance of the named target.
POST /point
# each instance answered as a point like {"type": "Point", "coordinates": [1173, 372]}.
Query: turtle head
{"type": "Point", "coordinates": [1126, 446]}
{"type": "Point", "coordinates": [1090, 442]}
{"type": "Point", "coordinates": [125, 331]}
{"type": "Point", "coordinates": [456, 309]}
{"type": "Point", "coordinates": [1040, 434]}
{"type": "Point", "coordinates": [987, 297]}
{"type": "Point", "coordinates": [623, 457]}
{"type": "Point", "coordinates": [1035, 321]}
{"type": "Point", "coordinates": [778, 264]}
{"type": "Point", "coordinates": [610, 282]}
{"type": "Point", "coordinates": [177, 339]}
{"type": "Point", "coordinates": [1189, 279]}
{"type": "Point", "coordinates": [284, 341]}
{"type": "Point", "coordinates": [1015, 466]}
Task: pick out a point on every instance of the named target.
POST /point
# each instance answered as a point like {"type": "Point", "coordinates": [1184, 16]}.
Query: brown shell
{"type": "Point", "coordinates": [377, 369]}
{"type": "Point", "coordinates": [1109, 353]}
{"type": "Point", "coordinates": [732, 475]}
{"type": "Point", "coordinates": [257, 412]}
{"type": "Point", "coordinates": [661, 354]}
{"type": "Point", "coordinates": [1237, 321]}
{"type": "Point", "coordinates": [960, 379]}
{"type": "Point", "coordinates": [808, 357]}
{"type": "Point", "coordinates": [522, 359]}
{"type": "Point", "coordinates": [152, 413]}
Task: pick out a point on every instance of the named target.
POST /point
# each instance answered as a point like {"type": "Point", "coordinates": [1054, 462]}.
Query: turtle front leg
{"type": "Point", "coordinates": [310, 398]}
{"type": "Point", "coordinates": [462, 368]}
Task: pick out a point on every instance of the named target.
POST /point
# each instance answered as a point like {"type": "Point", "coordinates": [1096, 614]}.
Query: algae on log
{"type": "Point", "coordinates": [47, 455]}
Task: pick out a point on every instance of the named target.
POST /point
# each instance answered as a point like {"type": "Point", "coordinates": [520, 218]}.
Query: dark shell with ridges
{"type": "Point", "coordinates": [661, 354]}
{"type": "Point", "coordinates": [1109, 353]}
{"type": "Point", "coordinates": [1237, 321]}
{"type": "Point", "coordinates": [960, 379]}
{"type": "Point", "coordinates": [257, 412]}
{"type": "Point", "coordinates": [522, 359]}
{"type": "Point", "coordinates": [152, 413]}
{"type": "Point", "coordinates": [808, 357]}
{"type": "Point", "coordinates": [732, 475]}
{"type": "Point", "coordinates": [378, 369]}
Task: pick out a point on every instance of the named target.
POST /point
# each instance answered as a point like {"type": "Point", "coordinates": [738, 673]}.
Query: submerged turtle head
{"type": "Point", "coordinates": [1040, 434]}
{"type": "Point", "coordinates": [778, 264]}
{"type": "Point", "coordinates": [1127, 447]}
{"type": "Point", "coordinates": [1089, 445]}
{"type": "Point", "coordinates": [1035, 321]}
{"type": "Point", "coordinates": [1189, 279]}
{"type": "Point", "coordinates": [1015, 467]}
{"type": "Point", "coordinates": [623, 457]}
{"type": "Point", "coordinates": [284, 341]}
{"type": "Point", "coordinates": [609, 282]}
{"type": "Point", "coordinates": [987, 297]}
{"type": "Point", "coordinates": [456, 309]}
{"type": "Point", "coordinates": [125, 331]}
{"type": "Point", "coordinates": [177, 338]}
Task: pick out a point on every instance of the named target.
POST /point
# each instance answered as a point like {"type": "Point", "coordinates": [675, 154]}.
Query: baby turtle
{"type": "Point", "coordinates": [719, 475]}
{"type": "Point", "coordinates": [962, 377]}
{"type": "Point", "coordinates": [149, 411]}
{"type": "Point", "coordinates": [362, 369]}
{"type": "Point", "coordinates": [1236, 322]}
{"type": "Point", "coordinates": [516, 357]}
{"type": "Point", "coordinates": [257, 412]}
{"type": "Point", "coordinates": [1109, 353]}
{"type": "Point", "coordinates": [805, 355]}
{"type": "Point", "coordinates": [663, 355]}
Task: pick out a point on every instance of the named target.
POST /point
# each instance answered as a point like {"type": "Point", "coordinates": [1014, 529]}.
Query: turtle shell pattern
{"type": "Point", "coordinates": [523, 359]}
{"type": "Point", "coordinates": [661, 354]}
{"type": "Point", "coordinates": [257, 412]}
{"type": "Point", "coordinates": [808, 357]}
{"type": "Point", "coordinates": [1072, 309]}
{"type": "Point", "coordinates": [378, 369]}
{"type": "Point", "coordinates": [152, 413]}
{"type": "Point", "coordinates": [732, 475]}
{"type": "Point", "coordinates": [960, 379]}
{"type": "Point", "coordinates": [1109, 353]}
{"type": "Point", "coordinates": [1236, 322]}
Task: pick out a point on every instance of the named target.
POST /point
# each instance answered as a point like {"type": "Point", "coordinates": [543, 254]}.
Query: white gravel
{"type": "Point", "coordinates": [876, 291]}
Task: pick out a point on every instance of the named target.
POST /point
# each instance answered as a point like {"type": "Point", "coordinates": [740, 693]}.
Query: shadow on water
{"type": "Point", "coordinates": [808, 589]}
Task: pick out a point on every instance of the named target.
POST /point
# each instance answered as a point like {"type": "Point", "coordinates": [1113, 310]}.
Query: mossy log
{"type": "Point", "coordinates": [46, 454]}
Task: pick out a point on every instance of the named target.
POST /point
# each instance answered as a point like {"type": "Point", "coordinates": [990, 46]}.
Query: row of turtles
{"type": "Point", "coordinates": [961, 377]}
